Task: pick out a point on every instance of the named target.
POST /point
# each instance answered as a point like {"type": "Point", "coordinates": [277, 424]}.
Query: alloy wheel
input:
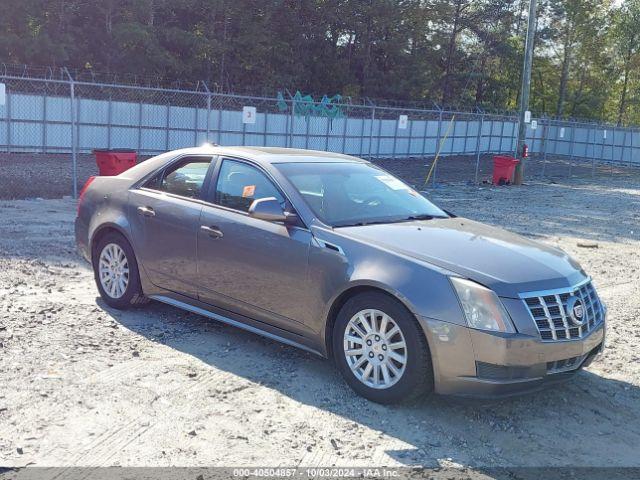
{"type": "Point", "coordinates": [113, 270]}
{"type": "Point", "coordinates": [375, 349]}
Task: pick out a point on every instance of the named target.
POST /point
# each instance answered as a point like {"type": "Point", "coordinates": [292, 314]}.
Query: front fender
{"type": "Point", "coordinates": [424, 289]}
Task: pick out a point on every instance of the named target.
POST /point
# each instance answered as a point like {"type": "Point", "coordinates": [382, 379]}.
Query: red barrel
{"type": "Point", "coordinates": [114, 162]}
{"type": "Point", "coordinates": [503, 168]}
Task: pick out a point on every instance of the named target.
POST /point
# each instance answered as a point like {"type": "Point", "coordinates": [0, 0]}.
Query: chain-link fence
{"type": "Point", "coordinates": [58, 114]}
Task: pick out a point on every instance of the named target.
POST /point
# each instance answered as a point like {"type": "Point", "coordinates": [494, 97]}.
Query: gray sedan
{"type": "Point", "coordinates": [334, 255]}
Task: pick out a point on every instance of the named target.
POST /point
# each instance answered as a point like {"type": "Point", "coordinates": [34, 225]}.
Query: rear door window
{"type": "Point", "coordinates": [185, 178]}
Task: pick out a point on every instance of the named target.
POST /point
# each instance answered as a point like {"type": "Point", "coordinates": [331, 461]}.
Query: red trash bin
{"type": "Point", "coordinates": [114, 162]}
{"type": "Point", "coordinates": [504, 167]}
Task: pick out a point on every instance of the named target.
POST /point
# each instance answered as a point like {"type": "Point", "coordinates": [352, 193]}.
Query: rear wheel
{"type": "Point", "coordinates": [381, 351]}
{"type": "Point", "coordinates": [116, 272]}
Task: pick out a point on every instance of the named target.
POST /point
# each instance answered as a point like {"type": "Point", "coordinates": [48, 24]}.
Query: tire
{"type": "Point", "coordinates": [120, 298]}
{"type": "Point", "coordinates": [414, 378]}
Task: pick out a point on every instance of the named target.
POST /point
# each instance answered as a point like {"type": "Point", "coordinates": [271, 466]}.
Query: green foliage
{"type": "Point", "coordinates": [455, 52]}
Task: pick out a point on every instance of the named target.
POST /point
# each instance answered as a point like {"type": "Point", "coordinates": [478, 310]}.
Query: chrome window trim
{"type": "Point", "coordinates": [215, 158]}
{"type": "Point", "coordinates": [139, 185]}
{"type": "Point", "coordinates": [204, 203]}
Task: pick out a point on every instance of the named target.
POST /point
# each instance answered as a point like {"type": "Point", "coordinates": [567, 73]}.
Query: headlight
{"type": "Point", "coordinates": [482, 307]}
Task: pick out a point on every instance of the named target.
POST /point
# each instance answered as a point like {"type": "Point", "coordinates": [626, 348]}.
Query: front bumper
{"type": "Point", "coordinates": [479, 364]}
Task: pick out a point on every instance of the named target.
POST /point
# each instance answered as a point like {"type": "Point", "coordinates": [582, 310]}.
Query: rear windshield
{"type": "Point", "coordinates": [345, 194]}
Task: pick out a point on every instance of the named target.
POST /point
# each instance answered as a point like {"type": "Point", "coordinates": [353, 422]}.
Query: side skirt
{"type": "Point", "coordinates": [235, 323]}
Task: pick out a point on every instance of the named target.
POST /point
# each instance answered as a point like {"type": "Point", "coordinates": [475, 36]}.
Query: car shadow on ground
{"type": "Point", "coordinates": [565, 425]}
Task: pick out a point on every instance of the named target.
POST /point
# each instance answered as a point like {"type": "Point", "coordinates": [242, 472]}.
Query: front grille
{"type": "Point", "coordinates": [567, 365]}
{"type": "Point", "coordinates": [554, 322]}
{"type": "Point", "coordinates": [499, 372]}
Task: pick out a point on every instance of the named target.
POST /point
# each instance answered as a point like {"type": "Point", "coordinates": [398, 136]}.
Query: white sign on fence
{"type": "Point", "coordinates": [3, 94]}
{"type": "Point", "coordinates": [249, 114]}
{"type": "Point", "coordinates": [403, 122]}
{"type": "Point", "coordinates": [527, 117]}
{"type": "Point", "coordinates": [562, 132]}
{"type": "Point", "coordinates": [604, 134]}
{"type": "Point", "coordinates": [534, 125]}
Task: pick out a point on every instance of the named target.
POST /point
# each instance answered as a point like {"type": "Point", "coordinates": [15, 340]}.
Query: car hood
{"type": "Point", "coordinates": [503, 261]}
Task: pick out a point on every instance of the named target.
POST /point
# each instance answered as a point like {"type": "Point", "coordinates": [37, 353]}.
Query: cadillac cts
{"type": "Point", "coordinates": [330, 253]}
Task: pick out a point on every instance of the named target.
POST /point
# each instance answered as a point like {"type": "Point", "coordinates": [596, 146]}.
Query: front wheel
{"type": "Point", "coordinates": [116, 272]}
{"type": "Point", "coordinates": [381, 351]}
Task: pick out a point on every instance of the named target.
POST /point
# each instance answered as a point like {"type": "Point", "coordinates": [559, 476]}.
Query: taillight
{"type": "Point", "coordinates": [82, 192]}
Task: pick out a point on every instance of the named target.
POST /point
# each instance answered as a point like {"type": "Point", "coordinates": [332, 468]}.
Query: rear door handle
{"type": "Point", "coordinates": [146, 211]}
{"type": "Point", "coordinates": [213, 232]}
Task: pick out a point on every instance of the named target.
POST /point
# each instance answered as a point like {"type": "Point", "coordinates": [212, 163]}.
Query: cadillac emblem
{"type": "Point", "coordinates": [576, 311]}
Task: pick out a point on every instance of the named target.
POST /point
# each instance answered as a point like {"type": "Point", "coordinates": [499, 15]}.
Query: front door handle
{"type": "Point", "coordinates": [213, 232]}
{"type": "Point", "coordinates": [146, 211]}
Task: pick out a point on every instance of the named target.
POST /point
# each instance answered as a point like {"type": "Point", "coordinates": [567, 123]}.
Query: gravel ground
{"type": "Point", "coordinates": [84, 385]}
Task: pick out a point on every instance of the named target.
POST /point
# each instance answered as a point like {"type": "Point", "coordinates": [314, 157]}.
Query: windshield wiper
{"type": "Point", "coordinates": [420, 217]}
{"type": "Point", "coordinates": [364, 223]}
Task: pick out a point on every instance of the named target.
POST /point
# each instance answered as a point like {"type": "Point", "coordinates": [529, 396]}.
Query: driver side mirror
{"type": "Point", "coordinates": [269, 209]}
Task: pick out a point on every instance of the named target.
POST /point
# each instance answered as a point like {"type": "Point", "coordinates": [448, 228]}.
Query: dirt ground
{"type": "Point", "coordinates": [84, 385]}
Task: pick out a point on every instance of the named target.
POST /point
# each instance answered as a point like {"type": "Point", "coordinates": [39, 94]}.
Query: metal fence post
{"type": "Point", "coordinates": [8, 99]}
{"type": "Point", "coordinates": [410, 140]}
{"type": "Point", "coordinates": [572, 149]}
{"type": "Point", "coordinates": [361, 152]}
{"type": "Point", "coordinates": [395, 138]}
{"type": "Point", "coordinates": [631, 152]}
{"type": "Point", "coordinates": [344, 134]}
{"type": "Point", "coordinates": [139, 126]}
{"type": "Point", "coordinates": [109, 120]}
{"type": "Point", "coordinates": [326, 137]}
{"type": "Point", "coordinates": [478, 141]}
{"type": "Point", "coordinates": [613, 149]}
{"type": "Point", "coordinates": [208, 119]}
{"type": "Point", "coordinates": [624, 143]}
{"type": "Point", "coordinates": [373, 120]}
{"type": "Point", "coordinates": [208, 115]}
{"type": "Point", "coordinates": [306, 132]}
{"type": "Point", "coordinates": [74, 139]}
{"type": "Point", "coordinates": [534, 137]}
{"type": "Point", "coordinates": [196, 124]}
{"type": "Point", "coordinates": [291, 126]}
{"type": "Point", "coordinates": [545, 144]}
{"type": "Point", "coordinates": [378, 137]}
{"type": "Point", "coordinates": [424, 136]}
{"type": "Point", "coordinates": [265, 129]}
{"type": "Point", "coordinates": [244, 133]}
{"type": "Point", "coordinates": [514, 129]}
{"type": "Point", "coordinates": [466, 135]}
{"type": "Point", "coordinates": [435, 167]}
{"type": "Point", "coordinates": [593, 154]}
{"type": "Point", "coordinates": [219, 142]}
{"type": "Point", "coordinates": [166, 132]}
{"type": "Point", "coordinates": [602, 149]}
{"type": "Point", "coordinates": [44, 122]}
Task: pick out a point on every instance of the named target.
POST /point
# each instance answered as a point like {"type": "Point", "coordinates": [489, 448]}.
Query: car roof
{"type": "Point", "coordinates": [273, 154]}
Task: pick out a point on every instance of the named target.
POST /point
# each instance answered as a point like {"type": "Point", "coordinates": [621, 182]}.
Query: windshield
{"type": "Point", "coordinates": [346, 194]}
